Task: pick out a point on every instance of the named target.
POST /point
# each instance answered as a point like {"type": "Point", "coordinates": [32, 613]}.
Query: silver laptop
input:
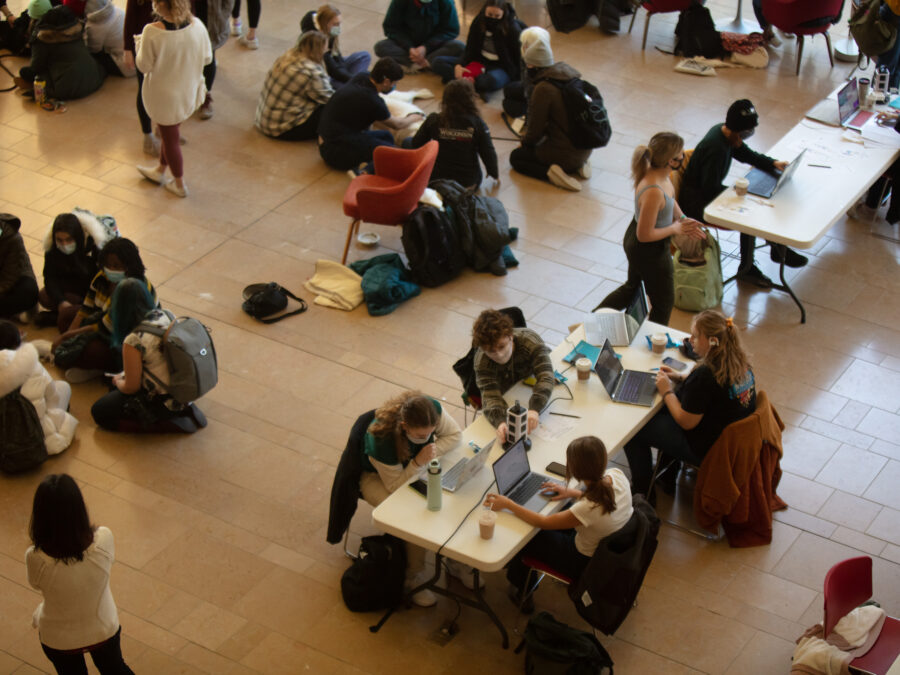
{"type": "Point", "coordinates": [620, 328]}
{"type": "Point", "coordinates": [624, 386]}
{"type": "Point", "coordinates": [765, 184]}
{"type": "Point", "coordinates": [844, 112]}
{"type": "Point", "coordinates": [516, 480]}
{"type": "Point", "coordinates": [460, 473]}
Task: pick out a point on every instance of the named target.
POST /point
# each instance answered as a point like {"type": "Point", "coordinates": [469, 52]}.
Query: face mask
{"type": "Point", "coordinates": [418, 441]}
{"type": "Point", "coordinates": [504, 355]}
{"type": "Point", "coordinates": [335, 31]}
{"type": "Point", "coordinates": [746, 133]}
{"type": "Point", "coordinates": [113, 276]}
{"type": "Point", "coordinates": [492, 24]}
{"type": "Point", "coordinates": [67, 249]}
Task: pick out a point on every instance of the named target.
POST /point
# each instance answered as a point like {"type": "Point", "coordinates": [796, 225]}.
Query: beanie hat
{"type": "Point", "coordinates": [536, 50]}
{"type": "Point", "coordinates": [741, 116]}
{"type": "Point", "coordinates": [37, 8]}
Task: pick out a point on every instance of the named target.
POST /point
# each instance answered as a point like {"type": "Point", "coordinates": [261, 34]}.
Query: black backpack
{"type": "Point", "coordinates": [569, 15]}
{"type": "Point", "coordinates": [21, 436]}
{"type": "Point", "coordinates": [553, 648]}
{"type": "Point", "coordinates": [432, 247]}
{"type": "Point", "coordinates": [589, 126]}
{"type": "Point", "coordinates": [696, 34]}
{"type": "Point", "coordinates": [375, 579]}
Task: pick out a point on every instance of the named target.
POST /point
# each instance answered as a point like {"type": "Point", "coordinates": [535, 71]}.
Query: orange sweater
{"type": "Point", "coordinates": [737, 480]}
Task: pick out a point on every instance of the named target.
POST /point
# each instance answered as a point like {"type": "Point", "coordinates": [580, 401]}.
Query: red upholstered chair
{"type": "Point", "coordinates": [847, 585]}
{"type": "Point", "coordinates": [392, 193]}
{"type": "Point", "coordinates": [658, 7]}
{"type": "Point", "coordinates": [795, 16]}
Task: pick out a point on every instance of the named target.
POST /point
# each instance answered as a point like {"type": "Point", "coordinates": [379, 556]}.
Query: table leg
{"type": "Point", "coordinates": [738, 25]}
{"type": "Point", "coordinates": [786, 288]}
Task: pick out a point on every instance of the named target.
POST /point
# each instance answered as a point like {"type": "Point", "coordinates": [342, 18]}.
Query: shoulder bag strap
{"type": "Point", "coordinates": [303, 307]}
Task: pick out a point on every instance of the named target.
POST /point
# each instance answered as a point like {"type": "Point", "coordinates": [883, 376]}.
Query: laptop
{"type": "Point", "coordinates": [624, 386]}
{"type": "Point", "coordinates": [620, 328]}
{"type": "Point", "coordinates": [516, 480]}
{"type": "Point", "coordinates": [765, 184]}
{"type": "Point", "coordinates": [846, 113]}
{"type": "Point", "coordinates": [460, 473]}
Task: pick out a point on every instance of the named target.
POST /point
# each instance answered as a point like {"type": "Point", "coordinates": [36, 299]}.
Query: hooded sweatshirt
{"type": "Point", "coordinates": [14, 260]}
{"type": "Point", "coordinates": [104, 31]}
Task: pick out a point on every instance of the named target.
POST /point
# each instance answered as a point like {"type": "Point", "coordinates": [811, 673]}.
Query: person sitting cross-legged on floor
{"type": "Point", "coordinates": [417, 31]}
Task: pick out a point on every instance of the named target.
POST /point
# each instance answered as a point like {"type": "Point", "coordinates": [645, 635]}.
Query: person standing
{"type": "Point", "coordinates": [69, 562]}
{"type": "Point", "coordinates": [214, 14]}
{"type": "Point", "coordinates": [138, 13]}
{"type": "Point", "coordinates": [254, 7]}
{"type": "Point", "coordinates": [418, 31]}
{"type": "Point", "coordinates": [172, 54]}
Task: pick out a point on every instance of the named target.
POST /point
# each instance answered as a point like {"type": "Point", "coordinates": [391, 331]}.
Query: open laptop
{"type": "Point", "coordinates": [846, 113]}
{"type": "Point", "coordinates": [516, 480]}
{"type": "Point", "coordinates": [621, 327]}
{"type": "Point", "coordinates": [460, 473]}
{"type": "Point", "coordinates": [765, 184]}
{"type": "Point", "coordinates": [624, 386]}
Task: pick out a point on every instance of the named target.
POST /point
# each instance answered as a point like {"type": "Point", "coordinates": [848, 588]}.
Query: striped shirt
{"type": "Point", "coordinates": [97, 302]}
{"type": "Point", "coordinates": [294, 88]}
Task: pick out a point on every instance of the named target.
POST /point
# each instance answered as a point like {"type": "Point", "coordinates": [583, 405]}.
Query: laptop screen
{"type": "Point", "coordinates": [511, 467]}
{"type": "Point", "coordinates": [608, 368]}
{"type": "Point", "coordinates": [636, 312]}
{"type": "Point", "coordinates": [848, 100]}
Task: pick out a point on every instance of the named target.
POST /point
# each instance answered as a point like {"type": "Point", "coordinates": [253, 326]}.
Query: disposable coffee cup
{"type": "Point", "coordinates": [583, 366]}
{"type": "Point", "coordinates": [863, 83]}
{"type": "Point", "coordinates": [486, 522]}
{"type": "Point", "coordinates": [741, 185]}
{"type": "Point", "coordinates": [659, 343]}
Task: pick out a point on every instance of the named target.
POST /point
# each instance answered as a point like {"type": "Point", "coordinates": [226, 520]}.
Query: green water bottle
{"type": "Point", "coordinates": [434, 485]}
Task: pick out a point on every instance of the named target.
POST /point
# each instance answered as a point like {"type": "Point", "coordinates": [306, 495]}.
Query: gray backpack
{"type": "Point", "coordinates": [190, 355]}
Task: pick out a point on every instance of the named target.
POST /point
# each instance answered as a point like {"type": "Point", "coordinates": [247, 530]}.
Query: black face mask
{"type": "Point", "coordinates": [491, 24]}
{"type": "Point", "coordinates": [746, 133]}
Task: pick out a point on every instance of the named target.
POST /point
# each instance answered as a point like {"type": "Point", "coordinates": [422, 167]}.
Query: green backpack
{"type": "Point", "coordinates": [873, 35]}
{"type": "Point", "coordinates": [699, 287]}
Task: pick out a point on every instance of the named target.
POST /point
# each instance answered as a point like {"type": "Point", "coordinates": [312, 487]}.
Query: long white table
{"type": "Point", "coordinates": [453, 531]}
{"type": "Point", "coordinates": [814, 198]}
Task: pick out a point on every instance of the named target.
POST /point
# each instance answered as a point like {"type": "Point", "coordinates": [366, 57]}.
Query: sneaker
{"type": "Point", "coordinates": [754, 277]}
{"type": "Point", "coordinates": [206, 110]}
{"type": "Point", "coordinates": [152, 174]}
{"type": "Point", "coordinates": [236, 26]}
{"type": "Point", "coordinates": [151, 145]}
{"type": "Point", "coordinates": [561, 179]}
{"type": "Point", "coordinates": [861, 211]}
{"type": "Point", "coordinates": [790, 257]}
{"type": "Point", "coordinates": [172, 187]}
{"type": "Point", "coordinates": [585, 171]}
{"type": "Point", "coordinates": [464, 573]}
{"type": "Point", "coordinates": [79, 375]}
{"type": "Point", "coordinates": [248, 43]}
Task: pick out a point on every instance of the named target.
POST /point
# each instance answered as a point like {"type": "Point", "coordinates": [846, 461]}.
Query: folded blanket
{"type": "Point", "coordinates": [335, 286]}
{"type": "Point", "coordinates": [814, 656]}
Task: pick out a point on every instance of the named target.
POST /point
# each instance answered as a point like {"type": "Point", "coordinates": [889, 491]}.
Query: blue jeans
{"type": "Point", "coordinates": [356, 63]}
{"type": "Point", "coordinates": [663, 433]}
{"type": "Point", "coordinates": [349, 151]}
{"type": "Point", "coordinates": [891, 58]}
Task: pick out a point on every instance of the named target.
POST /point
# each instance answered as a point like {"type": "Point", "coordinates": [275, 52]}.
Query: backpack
{"type": "Point", "coordinates": [375, 579]}
{"type": "Point", "coordinates": [432, 247]}
{"type": "Point", "coordinates": [265, 299]}
{"type": "Point", "coordinates": [190, 355]}
{"type": "Point", "coordinates": [553, 648]}
{"type": "Point", "coordinates": [873, 35]}
{"type": "Point", "coordinates": [696, 34]}
{"type": "Point", "coordinates": [21, 435]}
{"type": "Point", "coordinates": [569, 15]}
{"type": "Point", "coordinates": [699, 287]}
{"type": "Point", "coordinates": [588, 120]}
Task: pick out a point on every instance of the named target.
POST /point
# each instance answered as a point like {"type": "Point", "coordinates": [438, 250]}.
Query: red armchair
{"type": "Point", "coordinates": [795, 16]}
{"type": "Point", "coordinates": [392, 193]}
{"type": "Point", "coordinates": [657, 7]}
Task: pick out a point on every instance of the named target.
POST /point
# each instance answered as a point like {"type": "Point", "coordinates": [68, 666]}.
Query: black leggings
{"type": "Point", "coordinates": [253, 9]}
{"type": "Point", "coordinates": [651, 263]}
{"type": "Point", "coordinates": [106, 656]}
{"type": "Point", "coordinates": [209, 72]}
{"type": "Point", "coordinates": [146, 124]}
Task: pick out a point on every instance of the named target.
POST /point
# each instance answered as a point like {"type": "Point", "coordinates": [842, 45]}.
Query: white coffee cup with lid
{"type": "Point", "coordinates": [741, 185]}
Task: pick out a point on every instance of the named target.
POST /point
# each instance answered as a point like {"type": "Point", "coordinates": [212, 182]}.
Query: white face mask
{"type": "Point", "coordinates": [67, 249]}
{"type": "Point", "coordinates": [335, 31]}
{"type": "Point", "coordinates": [504, 355]}
{"type": "Point", "coordinates": [418, 441]}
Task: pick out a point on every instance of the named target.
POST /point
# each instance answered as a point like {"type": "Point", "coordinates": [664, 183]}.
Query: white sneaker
{"type": "Point", "coordinates": [424, 598]}
{"type": "Point", "coordinates": [152, 174]}
{"type": "Point", "coordinates": [585, 171]}
{"type": "Point", "coordinates": [561, 179]}
{"type": "Point", "coordinates": [464, 573]}
{"type": "Point", "coordinates": [248, 43]}
{"type": "Point", "coordinates": [79, 375]}
{"type": "Point", "coordinates": [172, 187]}
{"type": "Point", "coordinates": [236, 26]}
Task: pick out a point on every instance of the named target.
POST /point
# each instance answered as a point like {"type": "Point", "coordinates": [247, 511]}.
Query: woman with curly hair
{"type": "Point", "coordinates": [720, 390]}
{"type": "Point", "coordinates": [408, 432]}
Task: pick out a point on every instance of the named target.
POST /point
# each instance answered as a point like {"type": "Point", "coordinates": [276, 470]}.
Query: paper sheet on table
{"type": "Point", "coordinates": [883, 135]}
{"type": "Point", "coordinates": [554, 427]}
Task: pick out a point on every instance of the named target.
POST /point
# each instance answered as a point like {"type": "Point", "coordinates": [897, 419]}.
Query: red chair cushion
{"type": "Point", "coordinates": [364, 182]}
{"type": "Point", "coordinates": [884, 652]}
{"type": "Point", "coordinates": [541, 566]}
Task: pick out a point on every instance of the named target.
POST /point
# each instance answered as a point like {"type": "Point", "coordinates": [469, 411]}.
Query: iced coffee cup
{"type": "Point", "coordinates": [659, 342]}
{"type": "Point", "coordinates": [486, 523]}
{"type": "Point", "coordinates": [583, 366]}
{"type": "Point", "coordinates": [741, 185]}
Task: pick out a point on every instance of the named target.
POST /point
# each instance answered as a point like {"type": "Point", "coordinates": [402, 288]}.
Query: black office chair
{"type": "Point", "coordinates": [345, 490]}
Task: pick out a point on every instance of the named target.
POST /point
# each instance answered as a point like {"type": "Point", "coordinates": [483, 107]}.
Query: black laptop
{"type": "Point", "coordinates": [624, 386]}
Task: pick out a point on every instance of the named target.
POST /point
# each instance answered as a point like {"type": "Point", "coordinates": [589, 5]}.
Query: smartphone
{"type": "Point", "coordinates": [556, 468]}
{"type": "Point", "coordinates": [674, 364]}
{"type": "Point", "coordinates": [420, 486]}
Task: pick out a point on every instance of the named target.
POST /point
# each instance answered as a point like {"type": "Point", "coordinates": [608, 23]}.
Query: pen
{"type": "Point", "coordinates": [652, 369]}
{"type": "Point", "coordinates": [760, 201]}
{"type": "Point", "coordinates": [577, 417]}
{"type": "Point", "coordinates": [820, 166]}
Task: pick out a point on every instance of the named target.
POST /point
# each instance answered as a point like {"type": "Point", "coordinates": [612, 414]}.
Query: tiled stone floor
{"type": "Point", "coordinates": [222, 564]}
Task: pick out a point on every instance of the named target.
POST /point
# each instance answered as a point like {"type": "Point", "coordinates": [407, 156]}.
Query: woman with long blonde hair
{"type": "Point", "coordinates": [720, 390]}
{"type": "Point", "coordinates": [657, 217]}
{"type": "Point", "coordinates": [340, 68]}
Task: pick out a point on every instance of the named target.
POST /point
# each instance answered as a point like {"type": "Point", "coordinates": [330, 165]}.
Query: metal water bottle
{"type": "Point", "coordinates": [434, 485]}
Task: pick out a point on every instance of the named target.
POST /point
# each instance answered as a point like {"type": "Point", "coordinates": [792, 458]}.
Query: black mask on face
{"type": "Point", "coordinates": [746, 133]}
{"type": "Point", "coordinates": [491, 24]}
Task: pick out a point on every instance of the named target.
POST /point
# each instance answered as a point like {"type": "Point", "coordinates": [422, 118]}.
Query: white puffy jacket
{"type": "Point", "coordinates": [104, 31]}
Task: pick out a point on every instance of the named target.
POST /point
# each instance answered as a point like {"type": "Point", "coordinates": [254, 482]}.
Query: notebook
{"type": "Point", "coordinates": [460, 473]}
{"type": "Point", "coordinates": [765, 184]}
{"type": "Point", "coordinates": [516, 480]}
{"type": "Point", "coordinates": [624, 386]}
{"type": "Point", "coordinates": [619, 328]}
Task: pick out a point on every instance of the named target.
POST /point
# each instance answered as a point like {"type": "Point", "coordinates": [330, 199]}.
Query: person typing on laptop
{"type": "Point", "coordinates": [503, 356]}
{"type": "Point", "coordinates": [708, 167]}
{"type": "Point", "coordinates": [568, 538]}
{"type": "Point", "coordinates": [720, 390]}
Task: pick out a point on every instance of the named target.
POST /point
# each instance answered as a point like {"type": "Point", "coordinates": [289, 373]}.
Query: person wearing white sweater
{"type": "Point", "coordinates": [171, 53]}
{"type": "Point", "coordinates": [21, 369]}
{"type": "Point", "coordinates": [69, 563]}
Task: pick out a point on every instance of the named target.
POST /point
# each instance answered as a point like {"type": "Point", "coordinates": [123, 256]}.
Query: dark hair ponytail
{"type": "Point", "coordinates": [586, 461]}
